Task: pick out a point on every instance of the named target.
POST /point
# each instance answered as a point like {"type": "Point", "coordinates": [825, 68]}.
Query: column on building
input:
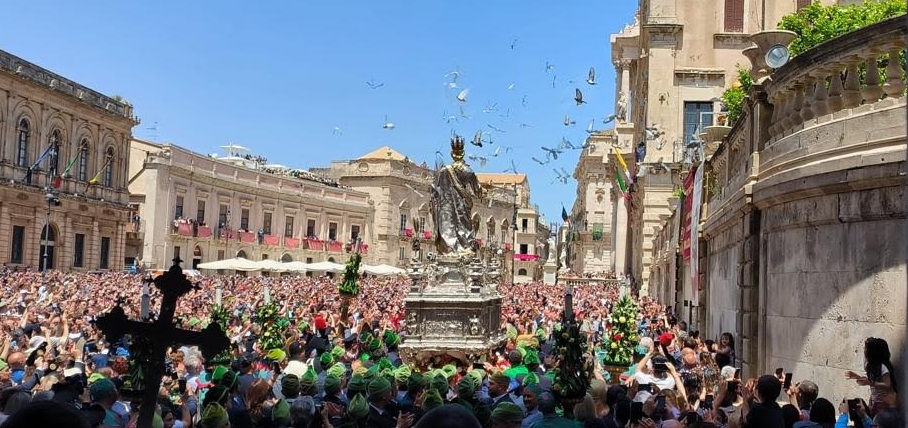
{"type": "Point", "coordinates": [118, 253]}
{"type": "Point", "coordinates": [620, 228]}
{"type": "Point", "coordinates": [94, 252]}
{"type": "Point", "coordinates": [6, 234]}
{"type": "Point", "coordinates": [65, 247]}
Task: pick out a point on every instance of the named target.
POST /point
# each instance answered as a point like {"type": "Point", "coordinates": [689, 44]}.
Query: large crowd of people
{"type": "Point", "coordinates": [58, 370]}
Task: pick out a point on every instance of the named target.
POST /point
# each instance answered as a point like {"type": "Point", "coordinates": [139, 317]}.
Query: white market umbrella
{"type": "Point", "coordinates": [236, 263]}
{"type": "Point", "coordinates": [295, 267]}
{"type": "Point", "coordinates": [382, 270]}
{"type": "Point", "coordinates": [325, 267]}
{"type": "Point", "coordinates": [272, 265]}
{"type": "Point", "coordinates": [236, 148]}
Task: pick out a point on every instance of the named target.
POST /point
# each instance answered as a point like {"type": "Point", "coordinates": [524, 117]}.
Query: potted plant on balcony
{"type": "Point", "coordinates": [621, 338]}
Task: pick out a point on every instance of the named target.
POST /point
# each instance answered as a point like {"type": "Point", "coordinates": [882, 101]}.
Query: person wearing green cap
{"type": "Point", "coordinates": [358, 410]}
{"type": "Point", "coordinates": [356, 386]}
{"type": "Point", "coordinates": [308, 383]}
{"type": "Point", "coordinates": [381, 395]}
{"type": "Point", "coordinates": [431, 400]}
{"type": "Point", "coordinates": [333, 387]}
{"type": "Point", "coordinates": [326, 360]}
{"type": "Point", "coordinates": [338, 370]}
{"type": "Point", "coordinates": [506, 415]}
{"type": "Point", "coordinates": [392, 340]}
{"type": "Point", "coordinates": [415, 384]}
{"type": "Point", "coordinates": [278, 414]}
{"type": "Point", "coordinates": [214, 416]}
{"type": "Point", "coordinates": [466, 397]}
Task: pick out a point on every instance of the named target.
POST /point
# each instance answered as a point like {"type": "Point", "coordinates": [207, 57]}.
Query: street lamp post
{"type": "Point", "coordinates": [219, 292]}
{"type": "Point", "coordinates": [51, 199]}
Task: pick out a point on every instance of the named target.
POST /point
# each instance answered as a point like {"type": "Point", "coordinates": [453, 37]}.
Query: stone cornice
{"type": "Point", "coordinates": [23, 69]}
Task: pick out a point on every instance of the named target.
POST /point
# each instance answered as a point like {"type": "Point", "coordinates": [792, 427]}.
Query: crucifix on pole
{"type": "Point", "coordinates": [161, 334]}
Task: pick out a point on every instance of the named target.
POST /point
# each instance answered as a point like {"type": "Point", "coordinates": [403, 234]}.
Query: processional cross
{"type": "Point", "coordinates": [161, 334]}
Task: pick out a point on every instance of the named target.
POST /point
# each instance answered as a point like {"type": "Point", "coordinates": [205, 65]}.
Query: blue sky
{"type": "Point", "coordinates": [280, 76]}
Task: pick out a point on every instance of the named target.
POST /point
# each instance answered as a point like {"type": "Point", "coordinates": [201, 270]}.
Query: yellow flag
{"type": "Point", "coordinates": [620, 159]}
{"type": "Point", "coordinates": [97, 178]}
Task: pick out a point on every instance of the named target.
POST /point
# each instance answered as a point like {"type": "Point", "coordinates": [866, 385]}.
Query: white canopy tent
{"type": "Point", "coordinates": [382, 270]}
{"type": "Point", "coordinates": [236, 263]}
{"type": "Point", "coordinates": [325, 267]}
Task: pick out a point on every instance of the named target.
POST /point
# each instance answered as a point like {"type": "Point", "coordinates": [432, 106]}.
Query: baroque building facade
{"type": "Point", "coordinates": [63, 171]}
{"type": "Point", "coordinates": [671, 70]}
{"type": "Point", "coordinates": [204, 208]}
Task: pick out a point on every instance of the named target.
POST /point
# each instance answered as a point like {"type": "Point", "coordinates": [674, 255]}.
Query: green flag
{"type": "Point", "coordinates": [564, 215]}
{"type": "Point", "coordinates": [622, 186]}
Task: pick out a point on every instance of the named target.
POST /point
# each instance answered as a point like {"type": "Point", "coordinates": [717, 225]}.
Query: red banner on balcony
{"type": "Point", "coordinates": [247, 237]}
{"type": "Point", "coordinates": [291, 242]}
{"type": "Point", "coordinates": [185, 229]}
{"type": "Point", "coordinates": [314, 244]}
{"type": "Point", "coordinates": [204, 232]}
{"type": "Point", "coordinates": [526, 257]}
{"type": "Point", "coordinates": [335, 247]}
{"type": "Point", "coordinates": [688, 205]}
{"type": "Point", "coordinates": [408, 233]}
{"type": "Point", "coordinates": [272, 240]}
{"type": "Point", "coordinates": [364, 248]}
{"type": "Point", "coordinates": [427, 235]}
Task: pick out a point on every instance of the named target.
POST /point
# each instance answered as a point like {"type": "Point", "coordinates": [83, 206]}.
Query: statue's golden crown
{"type": "Point", "coordinates": [457, 144]}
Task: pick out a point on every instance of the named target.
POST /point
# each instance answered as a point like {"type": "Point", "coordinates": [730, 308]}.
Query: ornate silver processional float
{"type": "Point", "coordinates": [453, 307]}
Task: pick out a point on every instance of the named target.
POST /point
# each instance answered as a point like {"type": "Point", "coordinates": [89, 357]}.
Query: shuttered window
{"type": "Point", "coordinates": [734, 16]}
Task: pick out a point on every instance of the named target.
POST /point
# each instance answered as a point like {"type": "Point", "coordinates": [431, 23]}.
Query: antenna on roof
{"type": "Point", "coordinates": [154, 132]}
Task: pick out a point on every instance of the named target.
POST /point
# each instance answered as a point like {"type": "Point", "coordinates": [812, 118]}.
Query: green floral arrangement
{"type": "Point", "coordinates": [350, 284]}
{"type": "Point", "coordinates": [273, 325]}
{"type": "Point", "coordinates": [221, 316]}
{"type": "Point", "coordinates": [349, 287]}
{"type": "Point", "coordinates": [572, 373]}
{"type": "Point", "coordinates": [621, 337]}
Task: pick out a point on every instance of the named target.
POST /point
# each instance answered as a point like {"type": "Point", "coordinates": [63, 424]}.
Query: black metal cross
{"type": "Point", "coordinates": [162, 333]}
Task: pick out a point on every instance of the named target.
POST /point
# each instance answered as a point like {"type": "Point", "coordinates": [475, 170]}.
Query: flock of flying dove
{"type": "Point", "coordinates": [495, 122]}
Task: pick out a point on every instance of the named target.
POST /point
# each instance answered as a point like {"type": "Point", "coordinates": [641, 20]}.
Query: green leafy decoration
{"type": "Point", "coordinates": [621, 338]}
{"type": "Point", "coordinates": [572, 374]}
{"type": "Point", "coordinates": [733, 97]}
{"type": "Point", "coordinates": [350, 284]}
{"type": "Point", "coordinates": [221, 316]}
{"type": "Point", "coordinates": [273, 325]}
{"type": "Point", "coordinates": [817, 23]}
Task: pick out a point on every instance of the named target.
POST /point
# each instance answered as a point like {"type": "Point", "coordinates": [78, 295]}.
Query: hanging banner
{"type": "Point", "coordinates": [696, 203]}
{"type": "Point", "coordinates": [687, 207]}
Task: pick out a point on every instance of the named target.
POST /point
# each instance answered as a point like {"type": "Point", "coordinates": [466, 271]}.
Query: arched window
{"type": "Point", "coordinates": [22, 139]}
{"type": "Point", "coordinates": [56, 138]}
{"type": "Point", "coordinates": [109, 169]}
{"type": "Point", "coordinates": [83, 160]}
{"type": "Point", "coordinates": [241, 254]}
{"type": "Point", "coordinates": [522, 272]}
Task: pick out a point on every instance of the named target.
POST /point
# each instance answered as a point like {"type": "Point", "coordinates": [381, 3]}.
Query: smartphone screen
{"type": "Point", "coordinates": [182, 386]}
{"type": "Point", "coordinates": [779, 372]}
{"type": "Point", "coordinates": [787, 383]}
{"type": "Point", "coordinates": [708, 403]}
